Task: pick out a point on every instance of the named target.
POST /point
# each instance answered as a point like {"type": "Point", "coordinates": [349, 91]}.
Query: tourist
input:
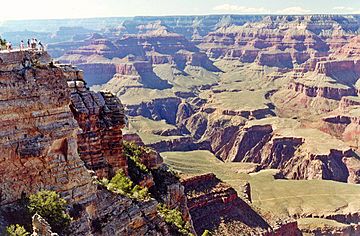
{"type": "Point", "coordinates": [9, 46]}
{"type": "Point", "coordinates": [21, 45]}
{"type": "Point", "coordinates": [41, 46]}
{"type": "Point", "coordinates": [28, 43]}
{"type": "Point", "coordinates": [33, 43]}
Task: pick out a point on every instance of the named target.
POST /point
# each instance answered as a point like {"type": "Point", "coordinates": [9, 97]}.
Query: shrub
{"type": "Point", "coordinates": [140, 193]}
{"type": "Point", "coordinates": [2, 42]}
{"type": "Point", "coordinates": [51, 207]}
{"type": "Point", "coordinates": [121, 184]}
{"type": "Point", "coordinates": [173, 217]}
{"type": "Point", "coordinates": [16, 230]}
{"type": "Point", "coordinates": [206, 233]}
{"type": "Point", "coordinates": [134, 153]}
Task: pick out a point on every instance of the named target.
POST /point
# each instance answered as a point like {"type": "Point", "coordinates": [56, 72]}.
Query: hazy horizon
{"type": "Point", "coordinates": [67, 9]}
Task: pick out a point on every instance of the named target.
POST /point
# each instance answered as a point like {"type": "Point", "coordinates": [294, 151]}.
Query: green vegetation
{"type": "Point", "coordinates": [51, 207]}
{"type": "Point", "coordinates": [2, 42]}
{"type": "Point", "coordinates": [16, 230]}
{"type": "Point", "coordinates": [139, 95]}
{"type": "Point", "coordinates": [121, 184]}
{"type": "Point", "coordinates": [134, 153]}
{"type": "Point", "coordinates": [149, 130]}
{"type": "Point", "coordinates": [279, 196]}
{"type": "Point", "coordinates": [48, 204]}
{"type": "Point", "coordinates": [206, 233]}
{"type": "Point", "coordinates": [173, 217]}
{"type": "Point", "coordinates": [128, 186]}
{"type": "Point", "coordinates": [201, 162]}
{"type": "Point", "coordinates": [225, 100]}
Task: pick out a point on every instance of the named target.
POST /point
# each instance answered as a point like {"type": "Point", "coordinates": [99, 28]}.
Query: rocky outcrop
{"type": "Point", "coordinates": [272, 41]}
{"type": "Point", "coordinates": [134, 68]}
{"type": "Point", "coordinates": [101, 117]}
{"type": "Point", "coordinates": [38, 135]}
{"type": "Point", "coordinates": [111, 214]}
{"type": "Point", "coordinates": [245, 141]}
{"type": "Point", "coordinates": [184, 143]}
{"type": "Point", "coordinates": [211, 201]}
{"type": "Point", "coordinates": [41, 227]}
{"type": "Point", "coordinates": [101, 58]}
{"type": "Point", "coordinates": [41, 141]}
{"type": "Point", "coordinates": [350, 50]}
{"type": "Point", "coordinates": [327, 92]}
{"type": "Point", "coordinates": [275, 59]}
{"type": "Point", "coordinates": [347, 102]}
{"type": "Point", "coordinates": [293, 154]}
{"type": "Point", "coordinates": [333, 230]}
{"type": "Point", "coordinates": [345, 127]}
{"type": "Point", "coordinates": [335, 67]}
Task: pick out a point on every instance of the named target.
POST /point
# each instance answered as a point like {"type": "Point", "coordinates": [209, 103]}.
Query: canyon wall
{"type": "Point", "coordinates": [57, 135]}
{"type": "Point", "coordinates": [38, 131]}
{"type": "Point", "coordinates": [100, 117]}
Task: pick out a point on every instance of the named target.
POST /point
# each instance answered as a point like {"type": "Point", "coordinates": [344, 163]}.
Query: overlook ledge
{"type": "Point", "coordinates": [17, 60]}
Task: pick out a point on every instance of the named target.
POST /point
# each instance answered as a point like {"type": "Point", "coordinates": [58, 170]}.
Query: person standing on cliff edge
{"type": "Point", "coordinates": [33, 44]}
{"type": "Point", "coordinates": [22, 45]}
{"type": "Point", "coordinates": [28, 43]}
{"type": "Point", "coordinates": [9, 46]}
{"type": "Point", "coordinates": [41, 46]}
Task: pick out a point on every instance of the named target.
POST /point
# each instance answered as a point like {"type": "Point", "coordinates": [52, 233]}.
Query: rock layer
{"type": "Point", "coordinates": [211, 202]}
{"type": "Point", "coordinates": [38, 131]}
{"type": "Point", "coordinates": [39, 140]}
{"type": "Point", "coordinates": [101, 118]}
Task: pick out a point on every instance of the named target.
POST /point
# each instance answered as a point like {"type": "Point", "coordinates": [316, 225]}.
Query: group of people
{"type": "Point", "coordinates": [32, 44]}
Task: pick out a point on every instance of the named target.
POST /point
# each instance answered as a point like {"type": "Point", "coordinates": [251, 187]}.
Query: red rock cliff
{"type": "Point", "coordinates": [101, 117]}
{"type": "Point", "coordinates": [38, 137]}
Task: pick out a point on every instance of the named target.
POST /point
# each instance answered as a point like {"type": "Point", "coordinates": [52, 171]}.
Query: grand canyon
{"type": "Point", "coordinates": [240, 124]}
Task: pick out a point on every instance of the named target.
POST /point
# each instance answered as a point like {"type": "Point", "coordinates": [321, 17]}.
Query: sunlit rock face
{"type": "Point", "coordinates": [38, 131]}
{"type": "Point", "coordinates": [100, 117]}
{"type": "Point", "coordinates": [57, 135]}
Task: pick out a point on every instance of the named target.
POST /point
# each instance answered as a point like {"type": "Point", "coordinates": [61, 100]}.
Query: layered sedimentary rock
{"type": "Point", "coordinates": [111, 214]}
{"type": "Point", "coordinates": [349, 101]}
{"type": "Point", "coordinates": [301, 68]}
{"type": "Point", "coordinates": [101, 58]}
{"type": "Point", "coordinates": [332, 78]}
{"type": "Point", "coordinates": [344, 123]}
{"type": "Point", "coordinates": [212, 202]}
{"type": "Point", "coordinates": [299, 35]}
{"type": "Point", "coordinates": [296, 152]}
{"type": "Point", "coordinates": [249, 41]}
{"type": "Point", "coordinates": [39, 133]}
{"type": "Point", "coordinates": [101, 118]}
{"type": "Point", "coordinates": [312, 90]}
{"type": "Point", "coordinates": [45, 147]}
{"type": "Point", "coordinates": [349, 50]}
